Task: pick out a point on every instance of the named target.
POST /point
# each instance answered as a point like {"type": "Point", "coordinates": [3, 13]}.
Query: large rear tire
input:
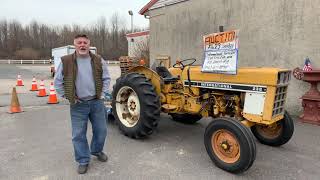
{"type": "Point", "coordinates": [277, 134]}
{"type": "Point", "coordinates": [230, 145]}
{"type": "Point", "coordinates": [135, 105]}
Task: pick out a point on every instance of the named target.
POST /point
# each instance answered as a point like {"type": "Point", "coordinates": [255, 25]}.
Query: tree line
{"type": "Point", "coordinates": [35, 40]}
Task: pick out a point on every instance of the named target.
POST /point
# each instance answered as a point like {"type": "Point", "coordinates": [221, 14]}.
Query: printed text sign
{"type": "Point", "coordinates": [221, 52]}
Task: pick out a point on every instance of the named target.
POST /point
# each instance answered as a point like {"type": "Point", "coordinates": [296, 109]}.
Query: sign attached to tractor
{"type": "Point", "coordinates": [221, 52]}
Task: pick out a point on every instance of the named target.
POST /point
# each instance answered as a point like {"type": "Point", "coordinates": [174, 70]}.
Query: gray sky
{"type": "Point", "coordinates": [82, 12]}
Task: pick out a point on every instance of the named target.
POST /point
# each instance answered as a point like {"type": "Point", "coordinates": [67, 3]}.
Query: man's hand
{"type": "Point", "coordinates": [102, 97]}
{"type": "Point", "coordinates": [108, 96]}
{"type": "Point", "coordinates": [77, 100]}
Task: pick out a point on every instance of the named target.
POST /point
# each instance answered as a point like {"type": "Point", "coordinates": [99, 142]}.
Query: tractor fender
{"type": "Point", "coordinates": [154, 78]}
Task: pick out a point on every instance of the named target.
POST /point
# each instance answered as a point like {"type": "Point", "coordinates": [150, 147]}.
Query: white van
{"type": "Point", "coordinates": [58, 52]}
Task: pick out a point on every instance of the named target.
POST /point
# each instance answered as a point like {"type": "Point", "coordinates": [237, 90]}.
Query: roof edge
{"type": "Point", "coordinates": [137, 34]}
{"type": "Point", "coordinates": [147, 6]}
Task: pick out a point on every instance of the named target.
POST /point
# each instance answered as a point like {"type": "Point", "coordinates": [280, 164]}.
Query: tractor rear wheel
{"type": "Point", "coordinates": [230, 145]}
{"type": "Point", "coordinates": [185, 118]}
{"type": "Point", "coordinates": [276, 134]}
{"type": "Point", "coordinates": [135, 105]}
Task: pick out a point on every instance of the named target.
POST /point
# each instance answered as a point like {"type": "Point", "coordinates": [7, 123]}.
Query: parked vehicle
{"type": "Point", "coordinates": [254, 99]}
{"type": "Point", "coordinates": [58, 52]}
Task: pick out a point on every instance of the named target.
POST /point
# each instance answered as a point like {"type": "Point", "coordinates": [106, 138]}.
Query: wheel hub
{"type": "Point", "coordinates": [128, 106]}
{"type": "Point", "coordinates": [132, 105]}
{"type": "Point", "coordinates": [225, 146]}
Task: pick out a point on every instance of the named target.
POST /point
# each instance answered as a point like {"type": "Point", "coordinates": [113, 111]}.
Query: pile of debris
{"type": "Point", "coordinates": [127, 63]}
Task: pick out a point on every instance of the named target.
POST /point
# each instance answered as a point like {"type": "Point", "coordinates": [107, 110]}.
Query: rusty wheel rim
{"type": "Point", "coordinates": [226, 146]}
{"type": "Point", "coordinates": [271, 131]}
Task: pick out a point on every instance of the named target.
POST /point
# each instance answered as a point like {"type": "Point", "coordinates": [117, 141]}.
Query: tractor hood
{"type": "Point", "coordinates": [248, 75]}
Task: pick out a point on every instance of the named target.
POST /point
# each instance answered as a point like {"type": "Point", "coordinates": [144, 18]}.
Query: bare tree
{"type": "Point", "coordinates": [102, 34]}
{"type": "Point", "coordinates": [14, 36]}
{"type": "Point", "coordinates": [108, 36]}
{"type": "Point", "coordinates": [34, 27]}
{"type": "Point", "coordinates": [27, 53]}
{"type": "Point", "coordinates": [4, 38]}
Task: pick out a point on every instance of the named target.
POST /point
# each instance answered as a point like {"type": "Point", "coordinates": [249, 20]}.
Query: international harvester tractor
{"type": "Point", "coordinates": [253, 99]}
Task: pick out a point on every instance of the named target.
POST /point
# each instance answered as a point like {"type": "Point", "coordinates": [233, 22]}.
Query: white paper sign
{"type": "Point", "coordinates": [221, 52]}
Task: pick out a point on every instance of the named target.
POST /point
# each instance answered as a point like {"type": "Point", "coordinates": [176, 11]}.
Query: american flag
{"type": "Point", "coordinates": [307, 65]}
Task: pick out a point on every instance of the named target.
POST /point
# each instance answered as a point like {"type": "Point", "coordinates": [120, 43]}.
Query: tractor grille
{"type": "Point", "coordinates": [281, 93]}
{"type": "Point", "coordinates": [284, 77]}
{"type": "Point", "coordinates": [279, 100]}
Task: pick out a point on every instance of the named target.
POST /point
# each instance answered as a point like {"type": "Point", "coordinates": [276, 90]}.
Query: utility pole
{"type": "Point", "coordinates": [131, 14]}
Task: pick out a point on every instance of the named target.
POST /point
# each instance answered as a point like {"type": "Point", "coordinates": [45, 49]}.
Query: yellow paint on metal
{"type": "Point", "coordinates": [192, 90]}
{"type": "Point", "coordinates": [192, 105]}
{"type": "Point", "coordinates": [163, 98]}
{"type": "Point", "coordinates": [260, 120]}
{"type": "Point", "coordinates": [177, 72]}
{"type": "Point", "coordinates": [169, 107]}
{"type": "Point", "coordinates": [248, 123]}
{"type": "Point", "coordinates": [252, 75]}
{"type": "Point", "coordinates": [252, 117]}
{"type": "Point", "coordinates": [155, 79]}
{"type": "Point", "coordinates": [268, 102]}
{"type": "Point", "coordinates": [166, 88]}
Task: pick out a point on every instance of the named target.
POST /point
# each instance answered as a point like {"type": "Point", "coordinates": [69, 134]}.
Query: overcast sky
{"type": "Point", "coordinates": [82, 12]}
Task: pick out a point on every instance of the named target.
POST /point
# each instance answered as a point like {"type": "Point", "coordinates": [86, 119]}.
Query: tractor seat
{"type": "Point", "coordinates": [166, 75]}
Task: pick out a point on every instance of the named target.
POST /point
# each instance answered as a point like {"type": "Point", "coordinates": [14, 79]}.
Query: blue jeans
{"type": "Point", "coordinates": [93, 110]}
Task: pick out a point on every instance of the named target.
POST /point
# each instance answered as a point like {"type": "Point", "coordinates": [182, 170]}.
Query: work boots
{"type": "Point", "coordinates": [101, 156]}
{"type": "Point", "coordinates": [82, 169]}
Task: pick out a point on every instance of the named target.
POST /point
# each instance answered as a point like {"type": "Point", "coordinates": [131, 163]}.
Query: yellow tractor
{"type": "Point", "coordinates": [253, 99]}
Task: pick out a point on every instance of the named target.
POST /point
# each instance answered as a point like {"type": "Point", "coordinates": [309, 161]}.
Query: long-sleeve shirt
{"type": "Point", "coordinates": [85, 85]}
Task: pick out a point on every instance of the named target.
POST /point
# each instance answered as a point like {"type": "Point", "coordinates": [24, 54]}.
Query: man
{"type": "Point", "coordinates": [83, 79]}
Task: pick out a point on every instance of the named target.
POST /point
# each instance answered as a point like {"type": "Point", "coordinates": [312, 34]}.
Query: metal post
{"type": "Point", "coordinates": [132, 23]}
{"type": "Point", "coordinates": [131, 14]}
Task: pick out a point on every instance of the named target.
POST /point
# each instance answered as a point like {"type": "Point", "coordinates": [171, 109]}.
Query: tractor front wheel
{"type": "Point", "coordinates": [135, 105]}
{"type": "Point", "coordinates": [230, 145]}
{"type": "Point", "coordinates": [276, 134]}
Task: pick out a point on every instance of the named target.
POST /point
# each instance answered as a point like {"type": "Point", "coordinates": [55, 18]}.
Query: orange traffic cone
{"type": "Point", "coordinates": [42, 90]}
{"type": "Point", "coordinates": [142, 62]}
{"type": "Point", "coordinates": [19, 81]}
{"type": "Point", "coordinates": [53, 96]}
{"type": "Point", "coordinates": [34, 86]}
{"type": "Point", "coordinates": [15, 105]}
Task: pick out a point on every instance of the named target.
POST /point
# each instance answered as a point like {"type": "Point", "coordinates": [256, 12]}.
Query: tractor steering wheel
{"type": "Point", "coordinates": [181, 64]}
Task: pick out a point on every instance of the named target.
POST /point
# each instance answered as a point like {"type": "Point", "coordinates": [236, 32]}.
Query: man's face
{"type": "Point", "coordinates": [82, 46]}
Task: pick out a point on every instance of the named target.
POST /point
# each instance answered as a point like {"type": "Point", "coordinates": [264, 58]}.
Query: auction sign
{"type": "Point", "coordinates": [221, 52]}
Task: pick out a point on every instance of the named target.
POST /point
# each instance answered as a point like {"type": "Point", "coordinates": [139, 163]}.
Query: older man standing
{"type": "Point", "coordinates": [83, 79]}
